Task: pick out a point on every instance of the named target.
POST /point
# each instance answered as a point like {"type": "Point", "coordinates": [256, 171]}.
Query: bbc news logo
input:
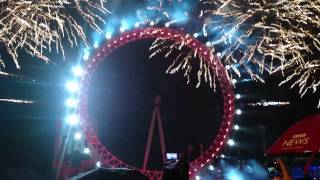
{"type": "Point", "coordinates": [296, 140]}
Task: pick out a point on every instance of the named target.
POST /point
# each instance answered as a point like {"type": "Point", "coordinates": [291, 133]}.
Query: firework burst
{"type": "Point", "coordinates": [257, 36]}
{"type": "Point", "coordinates": [39, 26]}
{"type": "Point", "coordinates": [177, 12]}
{"type": "Point", "coordinates": [278, 36]}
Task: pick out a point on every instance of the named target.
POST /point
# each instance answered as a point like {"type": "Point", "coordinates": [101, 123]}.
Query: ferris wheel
{"type": "Point", "coordinates": [106, 157]}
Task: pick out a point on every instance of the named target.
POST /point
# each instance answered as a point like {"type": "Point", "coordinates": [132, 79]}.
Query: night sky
{"type": "Point", "coordinates": [121, 105]}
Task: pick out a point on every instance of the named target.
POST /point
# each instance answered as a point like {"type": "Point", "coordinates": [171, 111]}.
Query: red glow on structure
{"type": "Point", "coordinates": [106, 157]}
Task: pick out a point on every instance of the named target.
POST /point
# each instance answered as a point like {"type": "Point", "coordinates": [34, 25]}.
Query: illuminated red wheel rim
{"type": "Point", "coordinates": [105, 156]}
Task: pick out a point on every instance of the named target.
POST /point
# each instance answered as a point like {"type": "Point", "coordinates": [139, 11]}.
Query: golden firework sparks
{"type": "Point", "coordinates": [305, 76]}
{"type": "Point", "coordinates": [258, 36]}
{"type": "Point", "coordinates": [10, 75]}
{"type": "Point", "coordinates": [263, 36]}
{"type": "Point", "coordinates": [184, 61]}
{"type": "Point", "coordinates": [38, 26]}
{"type": "Point", "coordinates": [278, 36]}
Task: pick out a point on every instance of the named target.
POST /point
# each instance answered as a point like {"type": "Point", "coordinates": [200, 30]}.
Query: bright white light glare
{"type": "Point", "coordinates": [96, 45]}
{"type": "Point", "coordinates": [211, 168]}
{"type": "Point", "coordinates": [233, 174]}
{"type": "Point", "coordinates": [195, 35]}
{"type": "Point", "coordinates": [228, 67]}
{"type": "Point", "coordinates": [77, 136]}
{"type": "Point", "coordinates": [219, 54]}
{"type": "Point", "coordinates": [198, 178]}
{"type": "Point", "coordinates": [86, 56]}
{"type": "Point", "coordinates": [231, 142]}
{"type": "Point", "coordinates": [86, 150]}
{"type": "Point", "coordinates": [122, 29]}
{"type": "Point", "coordinates": [73, 120]}
{"type": "Point", "coordinates": [72, 86]}
{"type": "Point", "coordinates": [77, 71]}
{"type": "Point", "coordinates": [71, 103]}
{"type": "Point", "coordinates": [108, 35]}
{"type": "Point", "coordinates": [152, 23]}
{"type": "Point", "coordinates": [209, 44]}
{"type": "Point", "coordinates": [223, 156]}
{"type": "Point", "coordinates": [234, 81]}
{"type": "Point", "coordinates": [238, 96]}
{"type": "Point", "coordinates": [136, 24]}
{"type": "Point", "coordinates": [238, 111]}
{"type": "Point", "coordinates": [236, 127]}
{"type": "Point", "coordinates": [98, 164]}
{"type": "Point", "coordinates": [167, 25]}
